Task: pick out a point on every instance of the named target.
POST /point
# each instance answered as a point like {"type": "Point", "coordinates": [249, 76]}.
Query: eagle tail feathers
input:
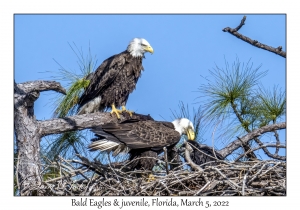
{"type": "Point", "coordinates": [103, 145]}
{"type": "Point", "coordinates": [108, 146]}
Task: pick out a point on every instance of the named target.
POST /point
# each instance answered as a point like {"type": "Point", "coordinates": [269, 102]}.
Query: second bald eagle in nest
{"type": "Point", "coordinates": [142, 139]}
{"type": "Point", "coordinates": [114, 80]}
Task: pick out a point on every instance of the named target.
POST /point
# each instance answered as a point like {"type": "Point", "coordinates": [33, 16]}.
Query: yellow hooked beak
{"type": "Point", "coordinates": [149, 49]}
{"type": "Point", "coordinates": [190, 134]}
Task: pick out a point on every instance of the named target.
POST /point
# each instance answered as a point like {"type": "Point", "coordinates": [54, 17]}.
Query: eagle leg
{"type": "Point", "coordinates": [116, 111]}
{"type": "Point", "coordinates": [128, 111]}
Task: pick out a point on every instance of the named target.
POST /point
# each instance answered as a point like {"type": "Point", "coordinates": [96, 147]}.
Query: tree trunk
{"type": "Point", "coordinates": [28, 144]}
{"type": "Point", "coordinates": [28, 134]}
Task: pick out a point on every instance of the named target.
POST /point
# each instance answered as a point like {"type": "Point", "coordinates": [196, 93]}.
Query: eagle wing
{"type": "Point", "coordinates": [143, 134]}
{"type": "Point", "coordinates": [103, 77]}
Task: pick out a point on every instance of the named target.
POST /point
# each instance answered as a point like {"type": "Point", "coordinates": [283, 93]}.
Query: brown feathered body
{"type": "Point", "coordinates": [144, 139]}
{"type": "Point", "coordinates": [202, 154]}
{"type": "Point", "coordinates": [111, 83]}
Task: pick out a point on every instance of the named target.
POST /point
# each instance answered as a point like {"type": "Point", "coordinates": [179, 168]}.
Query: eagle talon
{"type": "Point", "coordinates": [128, 111]}
{"type": "Point", "coordinates": [116, 111]}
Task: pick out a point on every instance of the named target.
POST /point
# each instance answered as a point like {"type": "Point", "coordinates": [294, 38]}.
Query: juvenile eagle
{"type": "Point", "coordinates": [203, 155]}
{"type": "Point", "coordinates": [142, 139]}
{"type": "Point", "coordinates": [115, 79]}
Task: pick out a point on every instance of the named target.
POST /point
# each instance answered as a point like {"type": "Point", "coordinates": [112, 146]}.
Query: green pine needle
{"type": "Point", "coordinates": [230, 85]}
{"type": "Point", "coordinates": [272, 104]}
{"type": "Point", "coordinates": [67, 103]}
{"type": "Point", "coordinates": [63, 144]}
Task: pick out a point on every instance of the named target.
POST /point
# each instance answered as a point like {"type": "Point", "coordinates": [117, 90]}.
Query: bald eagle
{"type": "Point", "coordinates": [142, 139]}
{"type": "Point", "coordinates": [115, 79]}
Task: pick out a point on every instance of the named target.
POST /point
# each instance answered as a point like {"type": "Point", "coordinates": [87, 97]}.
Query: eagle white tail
{"type": "Point", "coordinates": [103, 145]}
{"type": "Point", "coordinates": [106, 145]}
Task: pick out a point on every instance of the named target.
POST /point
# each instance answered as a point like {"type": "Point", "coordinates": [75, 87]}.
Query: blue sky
{"type": "Point", "coordinates": [185, 48]}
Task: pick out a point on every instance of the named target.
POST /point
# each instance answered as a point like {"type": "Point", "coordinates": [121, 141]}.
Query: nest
{"type": "Point", "coordinates": [250, 178]}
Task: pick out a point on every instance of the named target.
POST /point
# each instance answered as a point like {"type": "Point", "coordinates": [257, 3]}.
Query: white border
{"type": "Point", "coordinates": [9, 8]}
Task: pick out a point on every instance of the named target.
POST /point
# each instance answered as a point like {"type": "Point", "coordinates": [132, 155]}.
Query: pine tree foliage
{"type": "Point", "coordinates": [66, 105]}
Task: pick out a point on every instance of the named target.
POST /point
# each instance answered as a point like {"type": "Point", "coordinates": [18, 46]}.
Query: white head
{"type": "Point", "coordinates": [138, 46]}
{"type": "Point", "coordinates": [185, 126]}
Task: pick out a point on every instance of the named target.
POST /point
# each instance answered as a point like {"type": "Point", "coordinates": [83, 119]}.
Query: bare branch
{"type": "Point", "coordinates": [202, 188]}
{"type": "Point", "coordinates": [188, 149]}
{"type": "Point", "coordinates": [246, 146]}
{"type": "Point", "coordinates": [40, 85]}
{"type": "Point", "coordinates": [213, 140]}
{"type": "Point", "coordinates": [166, 159]}
{"type": "Point", "coordinates": [241, 24]}
{"type": "Point", "coordinates": [238, 143]}
{"type": "Point", "coordinates": [277, 141]}
{"type": "Point", "coordinates": [73, 123]}
{"type": "Point", "coordinates": [255, 43]}
{"type": "Point", "coordinates": [260, 147]}
{"type": "Point", "coordinates": [80, 122]}
{"type": "Point", "coordinates": [267, 152]}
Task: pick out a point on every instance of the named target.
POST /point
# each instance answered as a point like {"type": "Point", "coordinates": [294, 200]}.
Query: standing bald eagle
{"type": "Point", "coordinates": [115, 79]}
{"type": "Point", "coordinates": [142, 139]}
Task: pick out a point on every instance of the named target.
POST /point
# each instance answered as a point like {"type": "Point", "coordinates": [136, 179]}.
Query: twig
{"type": "Point", "coordinates": [244, 183]}
{"type": "Point", "coordinates": [17, 172]}
{"type": "Point", "coordinates": [166, 160]}
{"type": "Point", "coordinates": [257, 148]}
{"type": "Point", "coordinates": [198, 193]}
{"type": "Point", "coordinates": [255, 43]}
{"type": "Point", "coordinates": [54, 191]}
{"type": "Point", "coordinates": [188, 149]}
{"type": "Point", "coordinates": [225, 177]}
{"type": "Point", "coordinates": [213, 134]}
{"type": "Point", "coordinates": [277, 139]}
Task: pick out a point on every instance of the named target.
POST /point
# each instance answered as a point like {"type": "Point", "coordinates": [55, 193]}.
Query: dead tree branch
{"type": "Point", "coordinates": [260, 147]}
{"type": "Point", "coordinates": [72, 123]}
{"type": "Point", "coordinates": [234, 32]}
{"type": "Point", "coordinates": [256, 133]}
{"type": "Point", "coordinates": [267, 152]}
{"type": "Point", "coordinates": [188, 150]}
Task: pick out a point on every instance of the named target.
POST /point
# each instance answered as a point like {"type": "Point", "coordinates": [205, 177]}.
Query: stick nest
{"type": "Point", "coordinates": [251, 178]}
